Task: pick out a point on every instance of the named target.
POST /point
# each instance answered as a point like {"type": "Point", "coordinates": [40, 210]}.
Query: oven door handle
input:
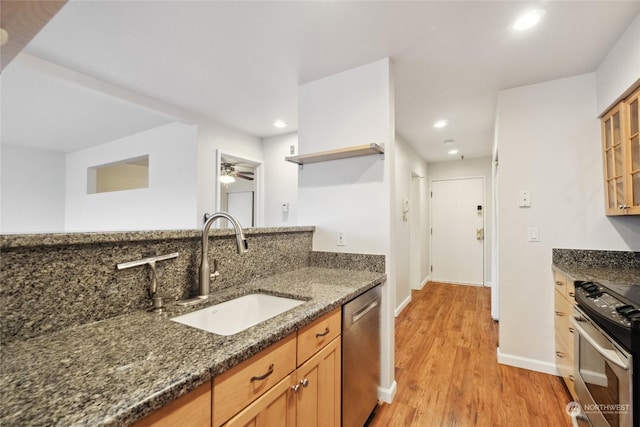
{"type": "Point", "coordinates": [608, 354]}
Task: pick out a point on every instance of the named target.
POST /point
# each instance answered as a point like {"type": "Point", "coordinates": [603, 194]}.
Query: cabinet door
{"type": "Point", "coordinates": [318, 395]}
{"type": "Point", "coordinates": [236, 388]}
{"type": "Point", "coordinates": [191, 410]}
{"type": "Point", "coordinates": [614, 161]}
{"type": "Point", "coordinates": [275, 408]}
{"type": "Point", "coordinates": [632, 149]}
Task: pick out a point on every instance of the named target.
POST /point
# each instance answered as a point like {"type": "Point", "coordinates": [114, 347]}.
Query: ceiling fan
{"type": "Point", "coordinates": [228, 173]}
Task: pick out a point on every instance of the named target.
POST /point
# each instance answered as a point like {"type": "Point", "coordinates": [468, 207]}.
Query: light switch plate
{"type": "Point", "coordinates": [525, 199]}
{"type": "Point", "coordinates": [341, 240]}
{"type": "Point", "coordinates": [533, 234]}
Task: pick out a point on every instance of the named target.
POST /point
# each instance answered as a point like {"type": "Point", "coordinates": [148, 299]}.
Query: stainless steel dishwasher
{"type": "Point", "coordinates": [360, 357]}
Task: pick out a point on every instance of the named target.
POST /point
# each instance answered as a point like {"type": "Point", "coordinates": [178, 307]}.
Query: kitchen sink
{"type": "Point", "coordinates": [236, 315]}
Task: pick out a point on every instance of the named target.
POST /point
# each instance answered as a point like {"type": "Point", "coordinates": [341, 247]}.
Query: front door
{"type": "Point", "coordinates": [457, 231]}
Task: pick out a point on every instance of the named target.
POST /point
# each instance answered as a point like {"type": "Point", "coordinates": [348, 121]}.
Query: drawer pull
{"type": "Point", "coordinates": [571, 329]}
{"type": "Point", "coordinates": [559, 283]}
{"type": "Point", "coordinates": [263, 376]}
{"type": "Point", "coordinates": [559, 313]}
{"type": "Point", "coordinates": [572, 294]}
{"type": "Point", "coordinates": [572, 378]}
{"type": "Point", "coordinates": [323, 334]}
{"type": "Point", "coordinates": [559, 354]}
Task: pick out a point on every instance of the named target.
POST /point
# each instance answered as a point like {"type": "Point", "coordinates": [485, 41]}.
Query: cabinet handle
{"type": "Point", "coordinates": [323, 334]}
{"type": "Point", "coordinates": [559, 313]}
{"type": "Point", "coordinates": [571, 329]}
{"type": "Point", "coordinates": [572, 294]}
{"type": "Point", "coordinates": [559, 354]}
{"type": "Point", "coordinates": [304, 382]}
{"type": "Point", "coordinates": [559, 283]}
{"type": "Point", "coordinates": [295, 388]}
{"type": "Point", "coordinates": [263, 376]}
{"type": "Point", "coordinates": [572, 378]}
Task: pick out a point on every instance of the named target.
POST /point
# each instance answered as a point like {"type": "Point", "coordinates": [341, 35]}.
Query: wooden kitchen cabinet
{"type": "Point", "coordinates": [275, 408]}
{"type": "Point", "coordinates": [564, 300]}
{"type": "Point", "coordinates": [238, 387]}
{"type": "Point", "coordinates": [303, 389]}
{"type": "Point", "coordinates": [191, 410]}
{"type": "Point", "coordinates": [309, 397]}
{"type": "Point", "coordinates": [621, 148]}
{"type": "Point", "coordinates": [318, 395]}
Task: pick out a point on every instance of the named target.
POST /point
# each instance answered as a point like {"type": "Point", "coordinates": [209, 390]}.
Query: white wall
{"type": "Point", "coordinates": [170, 202]}
{"type": "Point", "coordinates": [620, 69]}
{"type": "Point", "coordinates": [549, 144]}
{"type": "Point", "coordinates": [467, 168]}
{"type": "Point", "coordinates": [280, 181]}
{"type": "Point", "coordinates": [407, 163]}
{"type": "Point", "coordinates": [211, 138]}
{"type": "Point", "coordinates": [351, 108]}
{"type": "Point", "coordinates": [32, 191]}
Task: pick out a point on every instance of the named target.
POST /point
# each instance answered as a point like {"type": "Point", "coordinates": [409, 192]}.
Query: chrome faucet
{"type": "Point", "coordinates": [241, 244]}
{"type": "Point", "coordinates": [205, 274]}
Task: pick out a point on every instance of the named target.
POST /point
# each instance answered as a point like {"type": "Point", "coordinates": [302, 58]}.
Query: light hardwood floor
{"type": "Point", "coordinates": [448, 375]}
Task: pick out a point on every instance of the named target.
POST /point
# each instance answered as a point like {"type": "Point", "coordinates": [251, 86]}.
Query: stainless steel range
{"type": "Point", "coordinates": [607, 352]}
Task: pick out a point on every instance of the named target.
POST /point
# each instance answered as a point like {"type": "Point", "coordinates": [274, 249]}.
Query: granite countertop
{"type": "Point", "coordinates": [596, 273]}
{"type": "Point", "coordinates": [116, 371]}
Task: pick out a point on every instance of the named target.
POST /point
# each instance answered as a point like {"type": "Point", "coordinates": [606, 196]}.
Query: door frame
{"type": "Point", "coordinates": [484, 224]}
{"type": "Point", "coordinates": [259, 187]}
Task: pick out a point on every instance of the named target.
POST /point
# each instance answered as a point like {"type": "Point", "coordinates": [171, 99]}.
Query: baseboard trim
{"type": "Point", "coordinates": [424, 282]}
{"type": "Point", "coordinates": [526, 363]}
{"type": "Point", "coordinates": [402, 305]}
{"type": "Point", "coordinates": [388, 394]}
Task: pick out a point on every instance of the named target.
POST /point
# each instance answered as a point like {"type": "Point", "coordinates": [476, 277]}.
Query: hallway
{"type": "Point", "coordinates": [447, 371]}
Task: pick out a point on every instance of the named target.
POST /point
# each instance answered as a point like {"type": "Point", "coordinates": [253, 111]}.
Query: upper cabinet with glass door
{"type": "Point", "coordinates": [621, 143]}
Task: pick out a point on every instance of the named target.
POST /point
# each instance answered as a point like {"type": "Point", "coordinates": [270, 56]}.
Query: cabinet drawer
{"type": "Point", "coordinates": [275, 408]}
{"type": "Point", "coordinates": [561, 283]}
{"type": "Point", "coordinates": [191, 410]}
{"type": "Point", "coordinates": [562, 312]}
{"type": "Point", "coordinates": [571, 291]}
{"type": "Point", "coordinates": [238, 387]}
{"type": "Point", "coordinates": [564, 361]}
{"type": "Point", "coordinates": [316, 335]}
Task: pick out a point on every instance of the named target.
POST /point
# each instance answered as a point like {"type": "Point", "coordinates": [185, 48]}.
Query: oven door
{"type": "Point", "coordinates": [603, 372]}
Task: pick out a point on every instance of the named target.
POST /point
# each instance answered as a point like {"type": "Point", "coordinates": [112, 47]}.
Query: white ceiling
{"type": "Point", "coordinates": [240, 63]}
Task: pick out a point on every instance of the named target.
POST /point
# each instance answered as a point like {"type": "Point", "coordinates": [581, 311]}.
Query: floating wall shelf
{"type": "Point", "coordinates": [342, 153]}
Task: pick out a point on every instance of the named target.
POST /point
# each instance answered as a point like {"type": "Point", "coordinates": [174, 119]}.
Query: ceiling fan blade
{"type": "Point", "coordinates": [246, 172]}
{"type": "Point", "coordinates": [241, 175]}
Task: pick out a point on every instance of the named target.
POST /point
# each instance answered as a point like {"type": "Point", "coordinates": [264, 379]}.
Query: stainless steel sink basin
{"type": "Point", "coordinates": [236, 315]}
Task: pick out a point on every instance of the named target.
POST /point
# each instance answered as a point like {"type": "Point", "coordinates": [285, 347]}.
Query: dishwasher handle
{"type": "Point", "coordinates": [364, 310]}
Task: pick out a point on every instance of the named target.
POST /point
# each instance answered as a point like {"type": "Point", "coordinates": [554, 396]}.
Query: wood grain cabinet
{"type": "Point", "coordinates": [621, 145]}
{"type": "Point", "coordinates": [305, 394]}
{"type": "Point", "coordinates": [295, 382]}
{"type": "Point", "coordinates": [564, 300]}
{"type": "Point", "coordinates": [191, 410]}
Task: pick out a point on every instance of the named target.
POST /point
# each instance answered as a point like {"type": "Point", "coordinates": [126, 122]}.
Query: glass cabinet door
{"type": "Point", "coordinates": [614, 163]}
{"type": "Point", "coordinates": [633, 148]}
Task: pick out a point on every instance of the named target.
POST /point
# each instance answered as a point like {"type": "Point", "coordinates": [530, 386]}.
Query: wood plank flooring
{"type": "Point", "coordinates": [448, 375]}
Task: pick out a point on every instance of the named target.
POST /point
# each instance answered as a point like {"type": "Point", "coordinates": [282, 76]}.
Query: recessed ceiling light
{"type": "Point", "coordinates": [454, 151]}
{"type": "Point", "coordinates": [279, 124]}
{"type": "Point", "coordinates": [440, 124]}
{"type": "Point", "coordinates": [528, 20]}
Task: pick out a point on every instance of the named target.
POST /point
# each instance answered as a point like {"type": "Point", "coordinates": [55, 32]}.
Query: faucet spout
{"type": "Point", "coordinates": [241, 246]}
